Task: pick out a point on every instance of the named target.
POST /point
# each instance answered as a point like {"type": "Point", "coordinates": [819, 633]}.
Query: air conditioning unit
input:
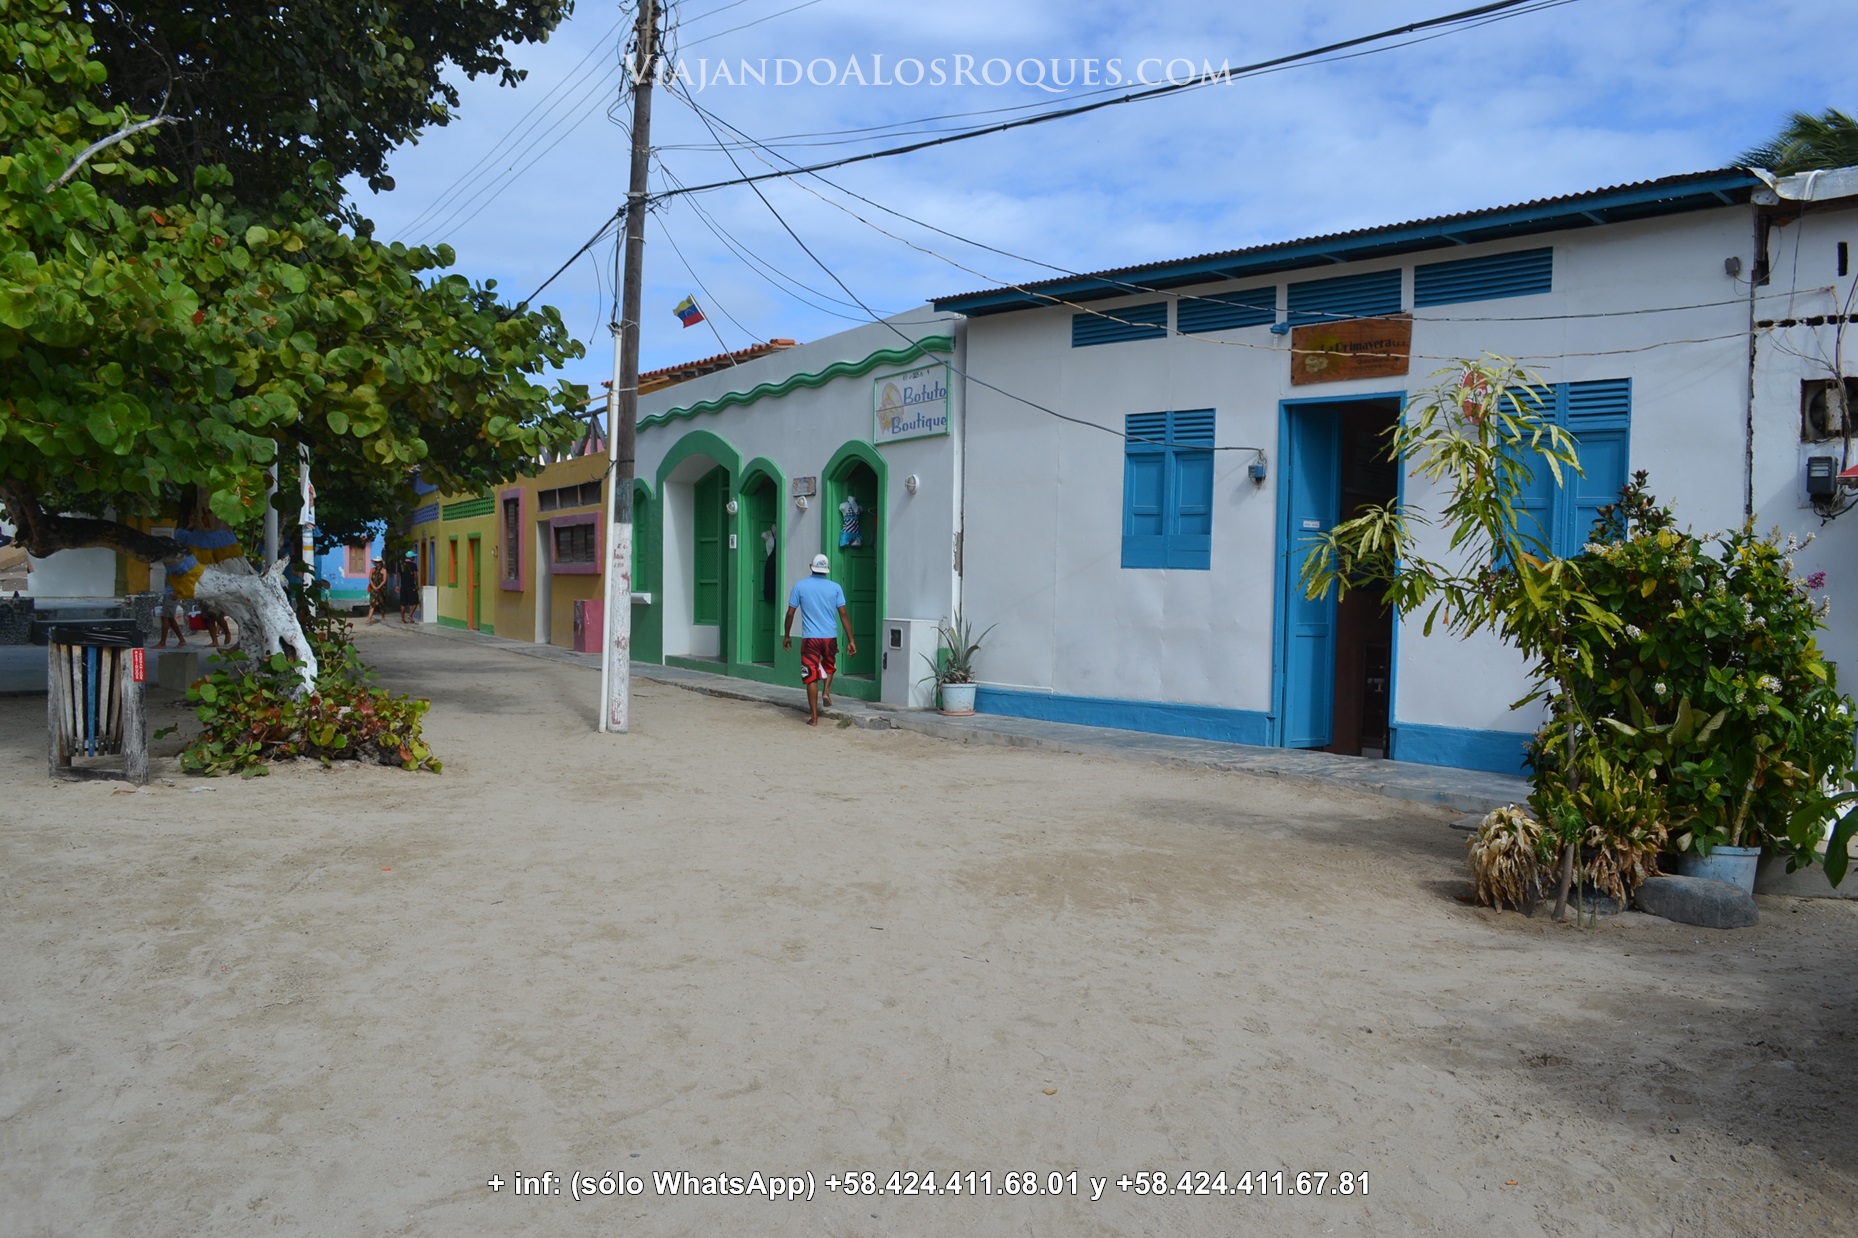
{"type": "Point", "coordinates": [906, 677]}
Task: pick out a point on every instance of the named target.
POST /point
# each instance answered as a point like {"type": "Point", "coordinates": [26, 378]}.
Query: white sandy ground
{"type": "Point", "coordinates": [339, 1003]}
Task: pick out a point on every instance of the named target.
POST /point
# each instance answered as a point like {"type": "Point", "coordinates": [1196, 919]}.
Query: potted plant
{"type": "Point", "coordinates": [953, 666]}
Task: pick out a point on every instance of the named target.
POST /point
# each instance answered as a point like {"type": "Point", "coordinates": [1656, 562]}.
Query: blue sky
{"type": "Point", "coordinates": [1589, 93]}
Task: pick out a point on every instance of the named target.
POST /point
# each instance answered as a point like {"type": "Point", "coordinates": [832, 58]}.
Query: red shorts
{"type": "Point", "coordinates": [819, 658]}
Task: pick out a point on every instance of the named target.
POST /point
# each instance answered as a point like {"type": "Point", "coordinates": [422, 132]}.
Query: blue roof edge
{"type": "Point", "coordinates": [1668, 196]}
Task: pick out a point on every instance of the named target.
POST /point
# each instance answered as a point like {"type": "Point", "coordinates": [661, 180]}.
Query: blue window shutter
{"type": "Point", "coordinates": [1115, 326]}
{"type": "Point", "coordinates": [1483, 279]}
{"type": "Point", "coordinates": [1146, 429]}
{"type": "Point", "coordinates": [1227, 310]}
{"type": "Point", "coordinates": [1168, 489]}
{"type": "Point", "coordinates": [1190, 541]}
{"type": "Point", "coordinates": [1374, 295]}
{"type": "Point", "coordinates": [1191, 428]}
{"type": "Point", "coordinates": [1603, 472]}
{"type": "Point", "coordinates": [1608, 402]}
{"type": "Point", "coordinates": [1145, 483]}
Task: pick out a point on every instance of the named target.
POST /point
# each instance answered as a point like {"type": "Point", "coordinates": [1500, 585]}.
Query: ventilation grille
{"type": "Point", "coordinates": [1483, 279]}
{"type": "Point", "coordinates": [1610, 397]}
{"type": "Point", "coordinates": [1374, 295]}
{"type": "Point", "coordinates": [1186, 428]}
{"type": "Point", "coordinates": [1131, 322]}
{"type": "Point", "coordinates": [1250, 308]}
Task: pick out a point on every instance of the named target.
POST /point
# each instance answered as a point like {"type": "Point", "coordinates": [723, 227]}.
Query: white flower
{"type": "Point", "coordinates": [1768, 683]}
{"type": "Point", "coordinates": [1659, 688]}
{"type": "Point", "coordinates": [1634, 631]}
{"type": "Point", "coordinates": [1761, 709]}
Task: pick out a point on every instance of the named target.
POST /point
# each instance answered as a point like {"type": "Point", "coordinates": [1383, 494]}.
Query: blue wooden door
{"type": "Point", "coordinates": [1313, 474]}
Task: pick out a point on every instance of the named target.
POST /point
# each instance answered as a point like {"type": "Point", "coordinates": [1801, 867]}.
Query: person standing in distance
{"type": "Point", "coordinates": [821, 605]}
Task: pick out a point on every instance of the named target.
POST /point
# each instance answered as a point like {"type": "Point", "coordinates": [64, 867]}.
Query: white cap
{"type": "Point", "coordinates": [821, 565]}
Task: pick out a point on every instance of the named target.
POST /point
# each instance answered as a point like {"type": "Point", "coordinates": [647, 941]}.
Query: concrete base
{"type": "Point", "coordinates": [1772, 877]}
{"type": "Point", "coordinates": [176, 668]}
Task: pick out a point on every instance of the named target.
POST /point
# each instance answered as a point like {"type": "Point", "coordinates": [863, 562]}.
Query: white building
{"type": "Point", "coordinates": [1142, 572]}
{"type": "Point", "coordinates": [847, 447]}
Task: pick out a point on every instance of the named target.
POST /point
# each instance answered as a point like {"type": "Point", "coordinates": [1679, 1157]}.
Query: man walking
{"type": "Point", "coordinates": [819, 600]}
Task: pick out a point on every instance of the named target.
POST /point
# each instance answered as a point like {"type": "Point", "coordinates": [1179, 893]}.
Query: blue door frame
{"type": "Point", "coordinates": [1289, 609]}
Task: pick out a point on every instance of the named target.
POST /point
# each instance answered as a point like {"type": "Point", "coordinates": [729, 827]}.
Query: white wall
{"type": "Point", "coordinates": [1045, 496]}
{"type": "Point", "coordinates": [72, 574]}
{"type": "Point", "coordinates": [1806, 284]}
{"type": "Point", "coordinates": [800, 432]}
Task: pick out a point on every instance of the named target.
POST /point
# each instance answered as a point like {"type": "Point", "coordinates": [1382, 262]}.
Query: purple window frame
{"type": "Point", "coordinates": [519, 582]}
{"type": "Point", "coordinates": [578, 569]}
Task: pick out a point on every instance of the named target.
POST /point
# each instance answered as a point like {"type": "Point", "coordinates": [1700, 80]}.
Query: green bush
{"type": "Point", "coordinates": [1715, 681]}
{"type": "Point", "coordinates": [251, 714]}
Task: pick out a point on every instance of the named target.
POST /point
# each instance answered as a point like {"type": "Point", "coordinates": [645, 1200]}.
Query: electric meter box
{"type": "Point", "coordinates": [907, 661]}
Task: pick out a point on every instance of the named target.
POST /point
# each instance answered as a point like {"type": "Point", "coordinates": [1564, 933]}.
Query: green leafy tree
{"type": "Point", "coordinates": [1805, 142]}
{"type": "Point", "coordinates": [1479, 437]}
{"type": "Point", "coordinates": [160, 343]}
{"type": "Point", "coordinates": [267, 91]}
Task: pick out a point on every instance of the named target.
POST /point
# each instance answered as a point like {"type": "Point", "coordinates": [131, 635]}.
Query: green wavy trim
{"type": "Point", "coordinates": [838, 369]}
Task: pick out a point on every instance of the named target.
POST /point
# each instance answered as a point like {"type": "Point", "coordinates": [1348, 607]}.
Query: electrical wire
{"type": "Point", "coordinates": [1507, 8]}
{"type": "Point", "coordinates": [510, 135]}
{"type": "Point", "coordinates": [967, 376]}
{"type": "Point", "coordinates": [1110, 316]}
{"type": "Point", "coordinates": [903, 128]}
{"type": "Point", "coordinates": [1153, 92]}
{"type": "Point", "coordinates": [709, 298]}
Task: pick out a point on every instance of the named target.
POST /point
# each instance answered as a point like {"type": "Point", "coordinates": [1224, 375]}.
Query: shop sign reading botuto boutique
{"type": "Point", "coordinates": [910, 405]}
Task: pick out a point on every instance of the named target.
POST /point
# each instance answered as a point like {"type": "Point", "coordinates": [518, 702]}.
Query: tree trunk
{"type": "Point", "coordinates": [267, 622]}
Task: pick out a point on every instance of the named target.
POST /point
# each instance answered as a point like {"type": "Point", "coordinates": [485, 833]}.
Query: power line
{"type": "Point", "coordinates": [881, 321]}
{"type": "Point", "coordinates": [510, 134]}
{"type": "Point", "coordinates": [1153, 92]}
{"type": "Point", "coordinates": [1507, 7]}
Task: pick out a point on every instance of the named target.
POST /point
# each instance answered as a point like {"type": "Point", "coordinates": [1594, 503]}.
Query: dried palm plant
{"type": "Point", "coordinates": [1508, 861]}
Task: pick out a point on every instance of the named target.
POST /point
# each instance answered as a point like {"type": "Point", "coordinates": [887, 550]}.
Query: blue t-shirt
{"type": "Point", "coordinates": [818, 599]}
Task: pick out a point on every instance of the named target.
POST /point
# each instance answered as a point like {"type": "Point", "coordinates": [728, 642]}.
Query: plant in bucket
{"type": "Point", "coordinates": [953, 665]}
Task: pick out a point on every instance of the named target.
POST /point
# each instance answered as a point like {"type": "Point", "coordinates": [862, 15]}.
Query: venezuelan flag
{"type": "Point", "coordinates": [688, 313]}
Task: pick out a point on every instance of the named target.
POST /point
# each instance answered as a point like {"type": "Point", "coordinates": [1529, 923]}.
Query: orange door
{"type": "Point", "coordinates": [473, 598]}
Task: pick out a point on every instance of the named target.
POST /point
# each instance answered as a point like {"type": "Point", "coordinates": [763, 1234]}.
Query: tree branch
{"type": "Point", "coordinates": [102, 143]}
{"type": "Point", "coordinates": [43, 533]}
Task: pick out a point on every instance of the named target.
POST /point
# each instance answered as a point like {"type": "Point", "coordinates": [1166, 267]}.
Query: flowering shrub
{"type": "Point", "coordinates": [1715, 680]}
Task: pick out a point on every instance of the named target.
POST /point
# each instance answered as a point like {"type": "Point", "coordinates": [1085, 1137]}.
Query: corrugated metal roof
{"type": "Point", "coordinates": [1614, 204]}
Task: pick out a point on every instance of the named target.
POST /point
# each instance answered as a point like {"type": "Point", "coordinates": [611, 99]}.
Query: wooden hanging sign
{"type": "Point", "coordinates": [1329, 352]}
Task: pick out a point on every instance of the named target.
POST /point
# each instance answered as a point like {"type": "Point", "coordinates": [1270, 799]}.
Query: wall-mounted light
{"type": "Point", "coordinates": [1256, 469]}
{"type": "Point", "coordinates": [732, 507]}
{"type": "Point", "coordinates": [800, 502]}
{"type": "Point", "coordinates": [911, 483]}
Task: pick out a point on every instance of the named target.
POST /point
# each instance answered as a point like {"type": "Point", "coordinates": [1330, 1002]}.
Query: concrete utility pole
{"type": "Point", "coordinates": [622, 406]}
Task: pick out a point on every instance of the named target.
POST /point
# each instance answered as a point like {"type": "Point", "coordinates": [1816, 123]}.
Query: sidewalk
{"type": "Point", "coordinates": [1468, 791]}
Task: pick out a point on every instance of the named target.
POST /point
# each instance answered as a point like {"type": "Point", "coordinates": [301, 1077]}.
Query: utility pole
{"type": "Point", "coordinates": [622, 405]}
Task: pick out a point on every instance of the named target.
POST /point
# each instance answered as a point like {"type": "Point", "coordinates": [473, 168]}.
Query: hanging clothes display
{"type": "Point", "coordinates": [851, 523]}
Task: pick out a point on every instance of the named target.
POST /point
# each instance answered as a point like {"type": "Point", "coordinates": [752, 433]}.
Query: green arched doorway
{"type": "Point", "coordinates": [854, 542]}
{"type": "Point", "coordinates": [761, 582]}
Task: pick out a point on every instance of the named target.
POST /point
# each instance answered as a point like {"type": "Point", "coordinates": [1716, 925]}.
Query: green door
{"type": "Point", "coordinates": [761, 581]}
{"type": "Point", "coordinates": [855, 566]}
{"type": "Point", "coordinates": [709, 524]}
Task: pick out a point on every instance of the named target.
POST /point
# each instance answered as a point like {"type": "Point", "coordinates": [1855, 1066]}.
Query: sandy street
{"type": "Point", "coordinates": [342, 1003]}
